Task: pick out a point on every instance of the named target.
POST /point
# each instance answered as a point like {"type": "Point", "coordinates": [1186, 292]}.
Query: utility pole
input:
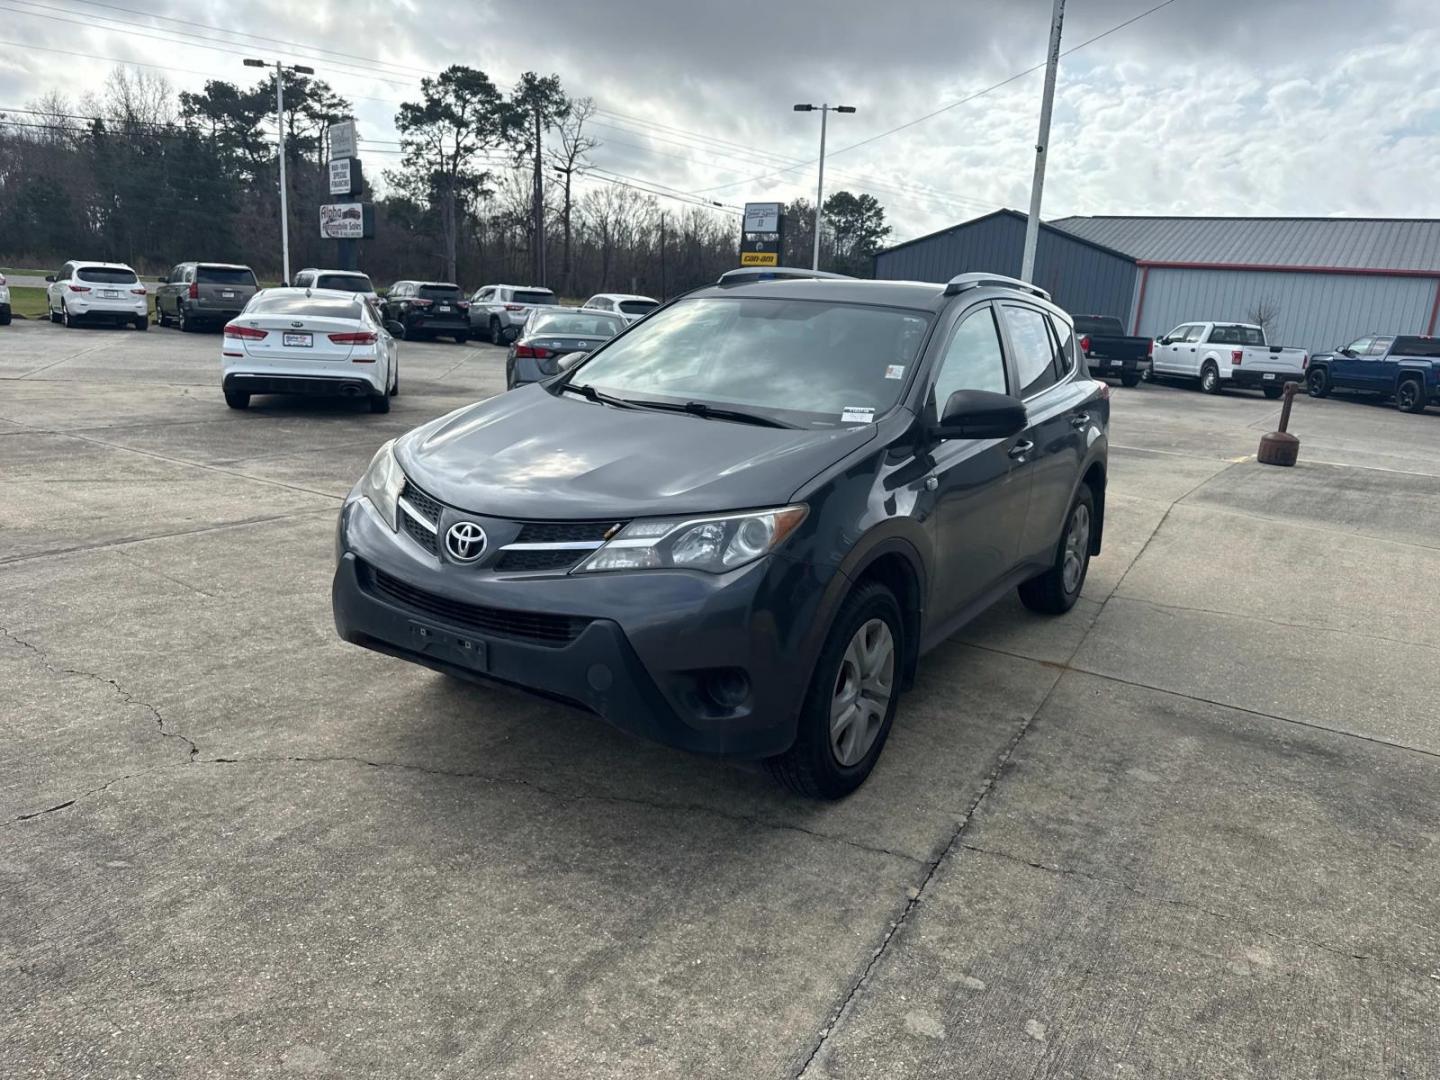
{"type": "Point", "coordinates": [538, 259]}
{"type": "Point", "coordinates": [280, 69]}
{"type": "Point", "coordinates": [1037, 186]}
{"type": "Point", "coordinates": [824, 111]}
{"type": "Point", "coordinates": [662, 256]}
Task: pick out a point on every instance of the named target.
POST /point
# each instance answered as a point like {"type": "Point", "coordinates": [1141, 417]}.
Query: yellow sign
{"type": "Point", "coordinates": [759, 258]}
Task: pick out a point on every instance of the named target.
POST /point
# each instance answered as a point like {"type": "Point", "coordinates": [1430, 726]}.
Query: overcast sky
{"type": "Point", "coordinates": [1314, 107]}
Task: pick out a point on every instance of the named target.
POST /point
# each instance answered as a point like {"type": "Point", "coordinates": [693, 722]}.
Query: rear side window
{"type": "Point", "coordinates": [973, 360]}
{"type": "Point", "coordinates": [447, 293]}
{"type": "Point", "coordinates": [227, 275]}
{"type": "Point", "coordinates": [1417, 346]}
{"type": "Point", "coordinates": [304, 306]}
{"type": "Point", "coordinates": [533, 296]}
{"type": "Point", "coordinates": [1034, 348]}
{"type": "Point", "coordinates": [1065, 341]}
{"type": "Point", "coordinates": [344, 283]}
{"type": "Point", "coordinates": [637, 307]}
{"type": "Point", "coordinates": [104, 275]}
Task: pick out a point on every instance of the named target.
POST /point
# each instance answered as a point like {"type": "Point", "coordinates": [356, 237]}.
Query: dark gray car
{"type": "Point", "coordinates": [737, 526]}
{"type": "Point", "coordinates": [195, 295]}
{"type": "Point", "coordinates": [548, 337]}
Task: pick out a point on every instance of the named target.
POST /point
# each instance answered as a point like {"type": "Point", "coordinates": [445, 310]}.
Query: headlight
{"type": "Point", "coordinates": [382, 482]}
{"type": "Point", "coordinates": [714, 544]}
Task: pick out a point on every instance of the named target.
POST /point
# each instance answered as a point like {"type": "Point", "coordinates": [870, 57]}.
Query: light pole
{"type": "Point", "coordinates": [820, 185]}
{"type": "Point", "coordinates": [280, 126]}
{"type": "Point", "coordinates": [1037, 186]}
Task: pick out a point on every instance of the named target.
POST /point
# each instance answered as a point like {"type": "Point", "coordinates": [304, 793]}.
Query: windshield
{"type": "Point", "coordinates": [344, 283]}
{"type": "Point", "coordinates": [225, 275]}
{"type": "Point", "coordinates": [314, 307]}
{"type": "Point", "coordinates": [820, 363]}
{"type": "Point", "coordinates": [444, 293]}
{"type": "Point", "coordinates": [637, 307]}
{"type": "Point", "coordinates": [576, 325]}
{"type": "Point", "coordinates": [101, 275]}
{"type": "Point", "coordinates": [533, 296]}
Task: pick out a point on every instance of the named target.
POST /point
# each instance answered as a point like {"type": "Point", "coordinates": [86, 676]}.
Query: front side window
{"type": "Point", "coordinates": [1381, 346]}
{"type": "Point", "coordinates": [1034, 348]}
{"type": "Point", "coordinates": [813, 363]}
{"type": "Point", "coordinates": [973, 359]}
{"type": "Point", "coordinates": [1359, 348]}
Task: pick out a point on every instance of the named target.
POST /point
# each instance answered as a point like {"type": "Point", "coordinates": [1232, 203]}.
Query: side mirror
{"type": "Point", "coordinates": [1162, 341]}
{"type": "Point", "coordinates": [981, 414]}
{"type": "Point", "coordinates": [49, 277]}
{"type": "Point", "coordinates": [569, 360]}
{"type": "Point", "coordinates": [395, 329]}
{"type": "Point", "coordinates": [1348, 352]}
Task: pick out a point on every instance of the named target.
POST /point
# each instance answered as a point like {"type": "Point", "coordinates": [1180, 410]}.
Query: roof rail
{"type": "Point", "coordinates": [960, 282]}
{"type": "Point", "coordinates": [747, 274]}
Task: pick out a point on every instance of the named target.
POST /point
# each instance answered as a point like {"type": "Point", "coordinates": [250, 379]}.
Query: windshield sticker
{"type": "Point", "coordinates": [854, 414]}
{"type": "Point", "coordinates": [895, 371]}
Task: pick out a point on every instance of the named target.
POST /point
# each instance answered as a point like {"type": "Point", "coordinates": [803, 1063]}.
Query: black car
{"type": "Point", "coordinates": [736, 527]}
{"type": "Point", "coordinates": [549, 336]}
{"type": "Point", "coordinates": [429, 309]}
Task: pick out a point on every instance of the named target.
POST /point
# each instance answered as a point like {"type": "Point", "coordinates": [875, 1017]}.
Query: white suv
{"type": "Point", "coordinates": [498, 312]}
{"type": "Point", "coordinates": [4, 302]}
{"type": "Point", "coordinates": [629, 306]}
{"type": "Point", "coordinates": [97, 292]}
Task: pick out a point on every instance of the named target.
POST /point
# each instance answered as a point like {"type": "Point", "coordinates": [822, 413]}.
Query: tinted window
{"type": "Point", "coordinates": [312, 307]}
{"type": "Point", "coordinates": [1065, 341]}
{"type": "Point", "coordinates": [1098, 324]}
{"type": "Point", "coordinates": [973, 360]}
{"type": "Point", "coordinates": [227, 275]}
{"type": "Point", "coordinates": [1194, 332]}
{"type": "Point", "coordinates": [1034, 349]}
{"type": "Point", "coordinates": [1239, 335]}
{"type": "Point", "coordinates": [1416, 346]}
{"type": "Point", "coordinates": [637, 307]}
{"type": "Point", "coordinates": [100, 275]}
{"type": "Point", "coordinates": [578, 325]}
{"type": "Point", "coordinates": [445, 293]}
{"type": "Point", "coordinates": [533, 296]}
{"type": "Point", "coordinates": [344, 283]}
{"type": "Point", "coordinates": [816, 363]}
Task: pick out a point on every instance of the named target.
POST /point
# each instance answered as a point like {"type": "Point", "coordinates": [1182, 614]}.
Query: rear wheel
{"type": "Point", "coordinates": [1130, 378]}
{"type": "Point", "coordinates": [65, 319]}
{"type": "Point", "coordinates": [182, 320]}
{"type": "Point", "coordinates": [1410, 396]}
{"type": "Point", "coordinates": [141, 322]}
{"type": "Point", "coordinates": [1210, 379]}
{"type": "Point", "coordinates": [5, 315]}
{"type": "Point", "coordinates": [1317, 384]}
{"type": "Point", "coordinates": [1273, 392]}
{"type": "Point", "coordinates": [460, 339]}
{"type": "Point", "coordinates": [851, 701]}
{"type": "Point", "coordinates": [237, 399]}
{"type": "Point", "coordinates": [380, 403]}
{"type": "Point", "coordinates": [1055, 591]}
{"type": "Point", "coordinates": [160, 319]}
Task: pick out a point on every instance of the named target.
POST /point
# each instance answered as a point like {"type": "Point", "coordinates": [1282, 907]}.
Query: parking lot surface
{"type": "Point", "coordinates": [1190, 830]}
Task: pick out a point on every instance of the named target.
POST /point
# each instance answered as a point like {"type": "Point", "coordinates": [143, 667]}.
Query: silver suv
{"type": "Point", "coordinates": [195, 294]}
{"type": "Point", "coordinates": [497, 312]}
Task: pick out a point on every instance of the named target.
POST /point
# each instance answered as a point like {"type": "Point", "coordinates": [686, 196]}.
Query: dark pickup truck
{"type": "Point", "coordinates": [1109, 351]}
{"type": "Point", "coordinates": [1403, 367]}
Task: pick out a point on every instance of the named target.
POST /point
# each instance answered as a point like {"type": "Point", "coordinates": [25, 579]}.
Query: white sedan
{"type": "Point", "coordinates": [309, 341]}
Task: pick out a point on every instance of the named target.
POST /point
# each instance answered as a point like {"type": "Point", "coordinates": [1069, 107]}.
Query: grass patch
{"type": "Point", "coordinates": [27, 302]}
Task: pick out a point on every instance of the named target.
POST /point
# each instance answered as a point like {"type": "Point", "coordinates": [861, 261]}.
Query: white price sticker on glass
{"type": "Point", "coordinates": [853, 414]}
{"type": "Point", "coordinates": [895, 371]}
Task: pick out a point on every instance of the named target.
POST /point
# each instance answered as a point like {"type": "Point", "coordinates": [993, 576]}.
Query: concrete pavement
{"type": "Point", "coordinates": [1190, 830]}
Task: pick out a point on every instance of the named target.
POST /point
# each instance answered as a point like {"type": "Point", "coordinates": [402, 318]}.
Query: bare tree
{"type": "Point", "coordinates": [1264, 313]}
{"type": "Point", "coordinates": [569, 158]}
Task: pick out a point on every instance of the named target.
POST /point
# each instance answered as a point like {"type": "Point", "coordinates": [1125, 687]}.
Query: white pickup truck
{"type": "Point", "coordinates": [1222, 354]}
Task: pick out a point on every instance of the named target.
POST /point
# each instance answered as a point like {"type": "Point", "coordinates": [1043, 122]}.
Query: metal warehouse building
{"type": "Point", "coordinates": [1325, 281]}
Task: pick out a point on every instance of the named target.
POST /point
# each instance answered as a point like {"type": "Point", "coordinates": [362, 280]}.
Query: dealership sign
{"type": "Point", "coordinates": [345, 176]}
{"type": "Point", "coordinates": [342, 140]}
{"type": "Point", "coordinates": [762, 237]}
{"type": "Point", "coordinates": [343, 221]}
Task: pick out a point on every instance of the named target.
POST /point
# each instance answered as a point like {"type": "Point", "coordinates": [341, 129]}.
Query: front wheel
{"type": "Point", "coordinates": [1210, 379]}
{"type": "Point", "coordinates": [1317, 383]}
{"type": "Point", "coordinates": [494, 331]}
{"type": "Point", "coordinates": [851, 702]}
{"type": "Point", "coordinates": [1055, 591]}
{"type": "Point", "coordinates": [1410, 396]}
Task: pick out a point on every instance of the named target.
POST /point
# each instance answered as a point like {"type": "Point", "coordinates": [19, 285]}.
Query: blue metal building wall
{"type": "Point", "coordinates": [1081, 277]}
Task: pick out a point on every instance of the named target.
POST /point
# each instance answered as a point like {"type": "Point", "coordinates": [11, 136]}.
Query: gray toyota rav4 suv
{"type": "Point", "coordinates": [738, 525]}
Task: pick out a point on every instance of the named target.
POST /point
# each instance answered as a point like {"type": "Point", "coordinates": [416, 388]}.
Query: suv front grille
{"type": "Point", "coordinates": [563, 532]}
{"type": "Point", "coordinates": [512, 561]}
{"type": "Point", "coordinates": [428, 506]}
{"type": "Point", "coordinates": [538, 628]}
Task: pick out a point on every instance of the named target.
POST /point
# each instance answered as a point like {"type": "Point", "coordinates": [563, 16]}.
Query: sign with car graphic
{"type": "Point", "coordinates": [345, 221]}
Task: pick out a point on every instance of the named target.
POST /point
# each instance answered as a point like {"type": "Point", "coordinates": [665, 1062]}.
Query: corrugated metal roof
{"type": "Point", "coordinates": [1351, 243]}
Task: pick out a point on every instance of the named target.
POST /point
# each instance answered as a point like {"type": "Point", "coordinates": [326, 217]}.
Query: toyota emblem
{"type": "Point", "coordinates": [465, 541]}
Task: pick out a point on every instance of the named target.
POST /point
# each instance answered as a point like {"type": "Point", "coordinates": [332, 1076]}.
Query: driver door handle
{"type": "Point", "coordinates": [1021, 448]}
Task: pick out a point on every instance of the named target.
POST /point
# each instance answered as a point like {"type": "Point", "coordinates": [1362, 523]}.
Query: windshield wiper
{"type": "Point", "coordinates": [711, 412]}
{"type": "Point", "coordinates": [589, 393]}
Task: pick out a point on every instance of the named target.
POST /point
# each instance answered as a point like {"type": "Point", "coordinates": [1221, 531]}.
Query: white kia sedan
{"type": "Point", "coordinates": [309, 341]}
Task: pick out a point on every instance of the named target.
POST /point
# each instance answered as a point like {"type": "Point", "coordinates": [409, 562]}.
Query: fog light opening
{"type": "Point", "coordinates": [729, 688]}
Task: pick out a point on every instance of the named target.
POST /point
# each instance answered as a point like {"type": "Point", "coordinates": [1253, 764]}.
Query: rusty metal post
{"type": "Point", "coordinates": [1280, 447]}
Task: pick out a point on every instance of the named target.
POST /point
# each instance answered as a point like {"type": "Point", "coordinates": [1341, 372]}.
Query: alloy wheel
{"type": "Point", "coordinates": [1405, 397]}
{"type": "Point", "coordinates": [1077, 547]}
{"type": "Point", "coordinates": [862, 694]}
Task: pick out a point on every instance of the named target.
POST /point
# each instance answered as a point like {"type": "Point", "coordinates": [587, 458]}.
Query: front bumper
{"type": "Point", "coordinates": [1251, 379]}
{"type": "Point", "coordinates": [640, 650]}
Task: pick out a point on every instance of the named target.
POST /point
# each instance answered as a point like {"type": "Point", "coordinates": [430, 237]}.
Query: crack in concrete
{"type": "Point", "coordinates": [1175, 901]}
{"type": "Point", "coordinates": [125, 695]}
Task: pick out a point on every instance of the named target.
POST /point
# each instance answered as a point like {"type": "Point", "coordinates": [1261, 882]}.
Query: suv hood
{"type": "Point", "coordinates": [531, 455]}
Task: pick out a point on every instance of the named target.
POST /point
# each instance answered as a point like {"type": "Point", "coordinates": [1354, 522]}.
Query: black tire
{"type": "Point", "coordinates": [5, 315]}
{"type": "Point", "coordinates": [380, 403]}
{"type": "Point", "coordinates": [1410, 396]}
{"type": "Point", "coordinates": [142, 322]}
{"type": "Point", "coordinates": [460, 339]}
{"type": "Point", "coordinates": [54, 315]}
{"type": "Point", "coordinates": [237, 399]}
{"type": "Point", "coordinates": [1317, 383]}
{"type": "Point", "coordinates": [494, 335]}
{"type": "Point", "coordinates": [810, 767]}
{"type": "Point", "coordinates": [160, 319]}
{"type": "Point", "coordinates": [65, 319]}
{"type": "Point", "coordinates": [1048, 593]}
{"type": "Point", "coordinates": [1210, 379]}
{"type": "Point", "coordinates": [186, 326]}
{"type": "Point", "coordinates": [395, 386]}
{"type": "Point", "coordinates": [1148, 375]}
{"type": "Point", "coordinates": [1272, 392]}
{"type": "Point", "coordinates": [1130, 379]}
